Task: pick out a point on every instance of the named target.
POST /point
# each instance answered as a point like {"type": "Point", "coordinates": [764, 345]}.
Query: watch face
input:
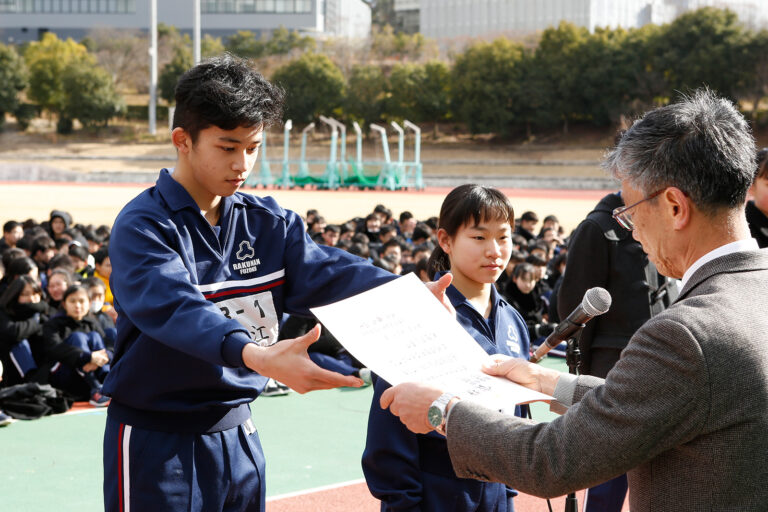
{"type": "Point", "coordinates": [435, 416]}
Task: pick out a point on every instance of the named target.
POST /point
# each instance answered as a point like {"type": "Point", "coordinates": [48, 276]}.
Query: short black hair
{"type": "Point", "coordinates": [10, 226]}
{"type": "Point", "coordinates": [391, 243]}
{"type": "Point", "coordinates": [102, 254]}
{"type": "Point", "coordinates": [225, 92]}
{"type": "Point", "coordinates": [93, 282]}
{"type": "Point", "coordinates": [78, 251]}
{"type": "Point", "coordinates": [42, 243]}
{"type": "Point", "coordinates": [522, 270]}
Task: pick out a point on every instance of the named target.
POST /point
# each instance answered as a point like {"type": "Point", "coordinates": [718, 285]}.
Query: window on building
{"type": "Point", "coordinates": [68, 6]}
{"type": "Point", "coordinates": [256, 6]}
{"type": "Point", "coordinates": [265, 5]}
{"type": "Point", "coordinates": [283, 5]}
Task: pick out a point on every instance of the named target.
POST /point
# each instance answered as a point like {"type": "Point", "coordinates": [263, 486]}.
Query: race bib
{"type": "Point", "coordinates": [256, 313]}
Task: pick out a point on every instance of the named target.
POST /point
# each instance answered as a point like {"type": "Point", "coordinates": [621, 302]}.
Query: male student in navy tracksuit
{"type": "Point", "coordinates": [201, 277]}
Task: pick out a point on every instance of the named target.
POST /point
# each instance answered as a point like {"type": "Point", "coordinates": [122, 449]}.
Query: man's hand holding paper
{"type": "Point", "coordinates": [403, 334]}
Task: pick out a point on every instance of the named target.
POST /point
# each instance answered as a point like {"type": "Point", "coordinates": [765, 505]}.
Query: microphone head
{"type": "Point", "coordinates": [596, 301]}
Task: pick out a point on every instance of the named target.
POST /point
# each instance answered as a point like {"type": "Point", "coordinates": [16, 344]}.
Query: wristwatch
{"type": "Point", "coordinates": [436, 413]}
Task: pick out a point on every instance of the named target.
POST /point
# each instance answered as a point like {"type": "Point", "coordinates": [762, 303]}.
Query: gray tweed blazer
{"type": "Point", "coordinates": [684, 411]}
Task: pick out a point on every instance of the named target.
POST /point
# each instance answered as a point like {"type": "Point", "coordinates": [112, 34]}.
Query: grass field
{"type": "Point", "coordinates": [310, 441]}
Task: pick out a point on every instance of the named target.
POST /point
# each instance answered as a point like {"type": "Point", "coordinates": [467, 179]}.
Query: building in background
{"type": "Point", "coordinates": [407, 16]}
{"type": "Point", "coordinates": [347, 18]}
{"type": "Point", "coordinates": [463, 19]}
{"type": "Point", "coordinates": [27, 20]}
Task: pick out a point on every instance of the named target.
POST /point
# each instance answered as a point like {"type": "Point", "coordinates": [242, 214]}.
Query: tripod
{"type": "Point", "coordinates": [572, 359]}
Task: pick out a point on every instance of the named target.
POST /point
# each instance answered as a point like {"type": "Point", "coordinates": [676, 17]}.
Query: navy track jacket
{"type": "Point", "coordinates": [191, 295]}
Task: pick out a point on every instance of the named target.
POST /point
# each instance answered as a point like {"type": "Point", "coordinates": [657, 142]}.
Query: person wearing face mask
{"type": "Point", "coordinates": [22, 313]}
{"type": "Point", "coordinates": [97, 292]}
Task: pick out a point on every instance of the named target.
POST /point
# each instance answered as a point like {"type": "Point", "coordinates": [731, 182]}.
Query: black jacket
{"type": "Point", "coordinates": [57, 330]}
{"type": "Point", "coordinates": [602, 253]}
{"type": "Point", "coordinates": [758, 224]}
{"type": "Point", "coordinates": [530, 305]}
{"type": "Point", "coordinates": [17, 323]}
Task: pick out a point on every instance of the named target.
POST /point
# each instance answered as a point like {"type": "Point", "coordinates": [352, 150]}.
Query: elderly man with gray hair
{"type": "Point", "coordinates": [685, 410]}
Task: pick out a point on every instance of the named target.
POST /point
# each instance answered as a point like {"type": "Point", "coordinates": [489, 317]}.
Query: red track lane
{"type": "Point", "coordinates": [356, 498]}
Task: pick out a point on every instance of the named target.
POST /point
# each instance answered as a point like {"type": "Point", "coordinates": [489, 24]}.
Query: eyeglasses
{"type": "Point", "coordinates": [624, 217]}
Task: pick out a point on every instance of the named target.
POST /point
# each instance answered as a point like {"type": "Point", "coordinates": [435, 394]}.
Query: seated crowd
{"type": "Point", "coordinates": [57, 323]}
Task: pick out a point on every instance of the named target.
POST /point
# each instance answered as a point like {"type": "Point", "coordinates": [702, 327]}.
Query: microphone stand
{"type": "Point", "coordinates": [572, 359]}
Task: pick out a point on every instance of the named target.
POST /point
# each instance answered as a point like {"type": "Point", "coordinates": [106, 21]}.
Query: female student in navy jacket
{"type": "Point", "coordinates": [408, 471]}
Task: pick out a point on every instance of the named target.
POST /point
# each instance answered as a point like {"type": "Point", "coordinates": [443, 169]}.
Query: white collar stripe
{"type": "Point", "coordinates": [214, 287]}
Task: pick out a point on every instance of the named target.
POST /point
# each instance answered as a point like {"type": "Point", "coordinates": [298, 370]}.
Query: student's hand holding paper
{"type": "Point", "coordinates": [438, 290]}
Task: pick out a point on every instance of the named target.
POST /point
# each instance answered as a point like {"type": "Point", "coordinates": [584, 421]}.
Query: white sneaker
{"type": "Point", "coordinates": [365, 375]}
{"type": "Point", "coordinates": [5, 419]}
{"type": "Point", "coordinates": [275, 388]}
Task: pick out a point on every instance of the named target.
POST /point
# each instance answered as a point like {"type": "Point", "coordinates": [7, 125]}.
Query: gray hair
{"type": "Point", "coordinates": [701, 145]}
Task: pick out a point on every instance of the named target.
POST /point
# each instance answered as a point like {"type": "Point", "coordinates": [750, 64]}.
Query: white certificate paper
{"type": "Point", "coordinates": [401, 332]}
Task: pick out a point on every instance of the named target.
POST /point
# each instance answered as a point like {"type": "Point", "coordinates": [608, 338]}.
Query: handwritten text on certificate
{"type": "Point", "coordinates": [401, 332]}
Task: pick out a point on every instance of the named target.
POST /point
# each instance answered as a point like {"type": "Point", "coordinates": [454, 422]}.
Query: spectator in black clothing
{"type": "Point", "coordinates": [527, 225]}
{"type": "Point", "coordinates": [359, 249]}
{"type": "Point", "coordinates": [422, 234]}
{"type": "Point", "coordinates": [22, 313]}
{"type": "Point", "coordinates": [550, 222]}
{"type": "Point", "coordinates": [12, 233]}
{"type": "Point", "coordinates": [11, 254]}
{"type": "Point", "coordinates": [519, 243]}
{"type": "Point", "coordinates": [59, 221]}
{"type": "Point", "coordinates": [386, 233]}
{"type": "Point", "coordinates": [42, 250]}
{"type": "Point", "coordinates": [331, 235]}
{"type": "Point", "coordinates": [316, 226]}
{"type": "Point", "coordinates": [556, 269]}
{"type": "Point", "coordinates": [515, 257]}
{"type": "Point", "coordinates": [520, 292]}
{"type": "Point", "coordinates": [62, 261]}
{"type": "Point", "coordinates": [602, 253]}
{"type": "Point", "coordinates": [384, 214]}
{"type": "Point", "coordinates": [421, 270]}
{"type": "Point", "coordinates": [392, 248]}
{"type": "Point", "coordinates": [94, 240]}
{"type": "Point", "coordinates": [79, 256]}
{"type": "Point", "coordinates": [372, 227]}
{"type": "Point", "coordinates": [540, 272]}
{"type": "Point", "coordinates": [22, 266]}
{"type": "Point", "coordinates": [97, 293]}
{"type": "Point", "coordinates": [757, 207]}
{"type": "Point", "coordinates": [58, 281]}
{"type": "Point", "coordinates": [74, 348]}
{"type": "Point", "coordinates": [406, 225]}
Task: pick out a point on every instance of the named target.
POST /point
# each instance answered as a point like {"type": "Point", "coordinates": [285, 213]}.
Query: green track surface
{"type": "Point", "coordinates": [309, 441]}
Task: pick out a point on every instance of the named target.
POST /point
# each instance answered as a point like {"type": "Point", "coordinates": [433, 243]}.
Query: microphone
{"type": "Point", "coordinates": [595, 302]}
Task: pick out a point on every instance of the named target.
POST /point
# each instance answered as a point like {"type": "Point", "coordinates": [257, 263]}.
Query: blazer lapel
{"type": "Point", "coordinates": [735, 262]}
